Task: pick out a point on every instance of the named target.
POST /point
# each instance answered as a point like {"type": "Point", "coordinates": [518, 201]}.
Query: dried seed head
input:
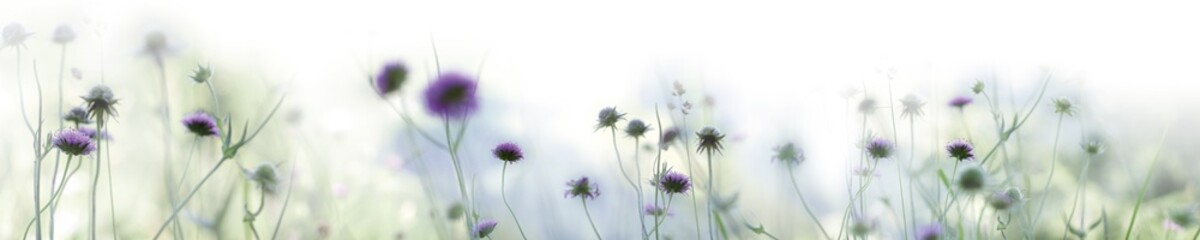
{"type": "Point", "coordinates": [710, 140]}
{"type": "Point", "coordinates": [266, 176]}
{"type": "Point", "coordinates": [912, 107]}
{"type": "Point", "coordinates": [101, 103]}
{"type": "Point", "coordinates": [14, 35]}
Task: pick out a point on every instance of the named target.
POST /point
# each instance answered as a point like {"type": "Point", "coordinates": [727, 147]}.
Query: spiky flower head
{"type": "Point", "coordinates": [266, 176]}
{"type": "Point", "coordinates": [452, 96]}
{"type": "Point", "coordinates": [14, 35]}
{"type": "Point", "coordinates": [582, 188]}
{"type": "Point", "coordinates": [1064, 106]}
{"type": "Point", "coordinates": [101, 103]}
{"type": "Point", "coordinates": [863, 226]}
{"type": "Point", "coordinates": [77, 115]}
{"type": "Point", "coordinates": [674, 183]}
{"type": "Point", "coordinates": [960, 101]}
{"type": "Point", "coordinates": [880, 148]}
{"type": "Point", "coordinates": [867, 106]}
{"type": "Point", "coordinates": [972, 178]}
{"type": "Point", "coordinates": [74, 142]}
{"type": "Point", "coordinates": [484, 227]}
{"type": "Point", "coordinates": [960, 149]}
{"type": "Point", "coordinates": [508, 152]}
{"type": "Point", "coordinates": [977, 88]}
{"type": "Point", "coordinates": [710, 140]}
{"type": "Point", "coordinates": [912, 107]}
{"type": "Point", "coordinates": [1001, 200]}
{"type": "Point", "coordinates": [202, 124]}
{"type": "Point", "coordinates": [390, 78]}
{"type": "Point", "coordinates": [63, 34]}
{"type": "Point", "coordinates": [1093, 147]}
{"type": "Point", "coordinates": [655, 210]}
{"type": "Point", "coordinates": [1183, 217]}
{"type": "Point", "coordinates": [636, 128]}
{"type": "Point", "coordinates": [608, 118]}
{"type": "Point", "coordinates": [933, 231]}
{"type": "Point", "coordinates": [668, 137]}
{"type": "Point", "coordinates": [788, 153]}
{"type": "Point", "coordinates": [202, 74]}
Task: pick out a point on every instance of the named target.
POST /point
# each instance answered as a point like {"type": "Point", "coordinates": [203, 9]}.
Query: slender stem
{"type": "Point", "coordinates": [420, 163]}
{"type": "Point", "coordinates": [462, 187]}
{"type": "Point", "coordinates": [899, 171]}
{"type": "Point", "coordinates": [632, 184]}
{"type": "Point", "coordinates": [1146, 182]}
{"type": "Point", "coordinates": [286, 200]}
{"type": "Point", "coordinates": [1079, 192]}
{"type": "Point", "coordinates": [589, 217]}
{"type": "Point", "coordinates": [504, 197]}
{"type": "Point", "coordinates": [688, 153]}
{"type": "Point", "coordinates": [175, 212]}
{"type": "Point", "coordinates": [712, 197]}
{"type": "Point", "coordinates": [1196, 235]}
{"type": "Point", "coordinates": [213, 92]}
{"type": "Point", "coordinates": [805, 202]}
{"type": "Point", "coordinates": [1053, 163]}
{"type": "Point", "coordinates": [53, 202]}
{"type": "Point", "coordinates": [658, 169]}
{"type": "Point", "coordinates": [912, 139]}
{"type": "Point", "coordinates": [638, 165]}
{"type": "Point", "coordinates": [95, 181]}
{"type": "Point", "coordinates": [168, 168]}
{"type": "Point", "coordinates": [112, 209]}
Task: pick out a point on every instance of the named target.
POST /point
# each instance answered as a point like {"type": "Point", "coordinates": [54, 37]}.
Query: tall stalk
{"type": "Point", "coordinates": [589, 217]}
{"type": "Point", "coordinates": [792, 176]}
{"type": "Point", "coordinates": [504, 197]}
{"type": "Point", "coordinates": [1053, 163]}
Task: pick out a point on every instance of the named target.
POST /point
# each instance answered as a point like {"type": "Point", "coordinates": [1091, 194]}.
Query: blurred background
{"type": "Point", "coordinates": [764, 73]}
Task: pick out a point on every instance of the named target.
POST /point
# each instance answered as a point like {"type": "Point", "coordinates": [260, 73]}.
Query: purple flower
{"type": "Point", "coordinates": [77, 115]}
{"type": "Point", "coordinates": [667, 138]}
{"type": "Point", "coordinates": [710, 140]}
{"type": "Point", "coordinates": [74, 142]}
{"type": "Point", "coordinates": [390, 78]}
{"type": "Point", "coordinates": [960, 101]}
{"type": "Point", "coordinates": [960, 149]}
{"type": "Point", "coordinates": [654, 210]}
{"type": "Point", "coordinates": [484, 227]}
{"type": "Point", "coordinates": [608, 118]}
{"type": "Point", "coordinates": [879, 148]}
{"type": "Point", "coordinates": [452, 95]}
{"type": "Point", "coordinates": [674, 183]}
{"type": "Point", "coordinates": [636, 128]}
{"type": "Point", "coordinates": [202, 124]}
{"type": "Point", "coordinates": [931, 232]}
{"type": "Point", "coordinates": [582, 188]}
{"type": "Point", "coordinates": [95, 135]}
{"type": "Point", "coordinates": [508, 152]}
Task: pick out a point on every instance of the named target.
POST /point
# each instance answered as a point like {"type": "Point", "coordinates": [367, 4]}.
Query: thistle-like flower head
{"type": "Point", "coordinates": [582, 188]}
{"type": "Point", "coordinates": [508, 152]}
{"type": "Point", "coordinates": [63, 34]}
{"type": "Point", "coordinates": [636, 128]}
{"type": "Point", "coordinates": [1063, 106]}
{"type": "Point", "coordinates": [934, 231]}
{"type": "Point", "coordinates": [668, 137]}
{"type": "Point", "coordinates": [977, 88]}
{"type": "Point", "coordinates": [101, 103]}
{"type": "Point", "coordinates": [960, 101]}
{"type": "Point", "coordinates": [788, 153]}
{"type": "Point", "coordinates": [390, 78]}
{"type": "Point", "coordinates": [452, 96]}
{"type": "Point", "coordinates": [912, 107]}
{"type": "Point", "coordinates": [655, 210]}
{"type": "Point", "coordinates": [1093, 147]}
{"type": "Point", "coordinates": [202, 74]}
{"type": "Point", "coordinates": [202, 124]}
{"type": "Point", "coordinates": [710, 140]}
{"type": "Point", "coordinates": [880, 148]}
{"type": "Point", "coordinates": [484, 227]}
{"type": "Point", "coordinates": [1001, 200]}
{"type": "Point", "coordinates": [14, 35]}
{"type": "Point", "coordinates": [266, 176]}
{"type": "Point", "coordinates": [960, 149]}
{"type": "Point", "coordinates": [74, 142]}
{"type": "Point", "coordinates": [674, 183]}
{"type": "Point", "coordinates": [972, 178]}
{"type": "Point", "coordinates": [608, 118]}
{"type": "Point", "coordinates": [77, 115]}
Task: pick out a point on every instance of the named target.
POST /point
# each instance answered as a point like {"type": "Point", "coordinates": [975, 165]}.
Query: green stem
{"type": "Point", "coordinates": [805, 203]}
{"type": "Point", "coordinates": [638, 165]}
{"type": "Point", "coordinates": [95, 182]}
{"type": "Point", "coordinates": [899, 171]}
{"type": "Point", "coordinates": [589, 217]}
{"type": "Point", "coordinates": [462, 187]}
{"type": "Point", "coordinates": [632, 184]}
{"type": "Point", "coordinates": [712, 197]}
{"type": "Point", "coordinates": [504, 197]}
{"type": "Point", "coordinates": [175, 211]}
{"type": "Point", "coordinates": [1053, 163]}
{"type": "Point", "coordinates": [1078, 193]}
{"type": "Point", "coordinates": [1145, 183]}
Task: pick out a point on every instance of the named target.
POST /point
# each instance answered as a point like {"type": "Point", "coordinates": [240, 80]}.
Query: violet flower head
{"type": "Point", "coordinates": [391, 78]}
{"type": "Point", "coordinates": [484, 227]}
{"type": "Point", "coordinates": [655, 210]}
{"type": "Point", "coordinates": [74, 142]}
{"type": "Point", "coordinates": [674, 183]}
{"type": "Point", "coordinates": [608, 118]}
{"type": "Point", "coordinates": [636, 128]}
{"type": "Point", "coordinates": [879, 148]}
{"type": "Point", "coordinates": [960, 149]}
{"type": "Point", "coordinates": [77, 115]}
{"type": "Point", "coordinates": [451, 95]}
{"type": "Point", "coordinates": [668, 137]}
{"type": "Point", "coordinates": [960, 101]}
{"type": "Point", "coordinates": [508, 152]}
{"type": "Point", "coordinates": [710, 140]}
{"type": "Point", "coordinates": [202, 124]}
{"type": "Point", "coordinates": [582, 188]}
{"type": "Point", "coordinates": [933, 231]}
{"type": "Point", "coordinates": [95, 135]}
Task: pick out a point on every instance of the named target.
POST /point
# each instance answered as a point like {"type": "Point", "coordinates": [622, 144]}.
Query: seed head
{"type": "Point", "coordinates": [1064, 106]}
{"type": "Point", "coordinates": [960, 101]}
{"type": "Point", "coordinates": [74, 142]}
{"type": "Point", "coordinates": [674, 183]}
{"type": "Point", "coordinates": [101, 103]}
{"type": "Point", "coordinates": [608, 118]}
{"type": "Point", "coordinates": [582, 188]}
{"type": "Point", "coordinates": [880, 148]}
{"type": "Point", "coordinates": [960, 149]}
{"type": "Point", "coordinates": [202, 124]}
{"type": "Point", "coordinates": [972, 178]}
{"type": "Point", "coordinates": [156, 43]}
{"type": "Point", "coordinates": [452, 96]}
{"type": "Point", "coordinates": [636, 128]}
{"type": "Point", "coordinates": [64, 34]}
{"type": "Point", "coordinates": [390, 78]}
{"type": "Point", "coordinates": [912, 107]}
{"type": "Point", "coordinates": [710, 140]}
{"type": "Point", "coordinates": [508, 152]}
{"type": "Point", "coordinates": [788, 153]}
{"type": "Point", "coordinates": [484, 227]}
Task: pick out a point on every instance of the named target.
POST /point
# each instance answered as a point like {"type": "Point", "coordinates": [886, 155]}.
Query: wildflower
{"type": "Point", "coordinates": [960, 101]}
{"type": "Point", "coordinates": [202, 124]}
{"type": "Point", "coordinates": [156, 43]}
{"type": "Point", "coordinates": [788, 153]}
{"type": "Point", "coordinates": [654, 210]}
{"type": "Point", "coordinates": [1064, 106]}
{"type": "Point", "coordinates": [77, 115]}
{"type": "Point", "coordinates": [960, 149]}
{"type": "Point", "coordinates": [879, 148]}
{"type": "Point", "coordinates": [971, 178]}
{"type": "Point", "coordinates": [933, 231]}
{"type": "Point", "coordinates": [636, 128]}
{"type": "Point", "coordinates": [867, 106]}
{"type": "Point", "coordinates": [201, 74]}
{"type": "Point", "coordinates": [1093, 148]}
{"type": "Point", "coordinates": [93, 134]}
{"type": "Point", "coordinates": [863, 226]}
{"type": "Point", "coordinates": [582, 188]}
{"type": "Point", "coordinates": [64, 34]}
{"type": "Point", "coordinates": [710, 140]}
{"type": "Point", "coordinates": [912, 106]}
{"type": "Point", "coordinates": [74, 142]}
{"type": "Point", "coordinates": [508, 152]}
{"type": "Point", "coordinates": [452, 95]}
{"type": "Point", "coordinates": [668, 137]}
{"type": "Point", "coordinates": [608, 118]}
{"type": "Point", "coordinates": [391, 78]}
{"type": "Point", "coordinates": [484, 227]}
{"type": "Point", "coordinates": [14, 35]}
{"type": "Point", "coordinates": [978, 87]}
{"type": "Point", "coordinates": [1184, 217]}
{"type": "Point", "coordinates": [266, 177]}
{"type": "Point", "coordinates": [100, 102]}
{"type": "Point", "coordinates": [674, 183]}
{"type": "Point", "coordinates": [1001, 200]}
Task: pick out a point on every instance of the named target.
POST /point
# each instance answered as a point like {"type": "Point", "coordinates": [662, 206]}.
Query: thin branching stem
{"type": "Point", "coordinates": [804, 202]}
{"type": "Point", "coordinates": [595, 230]}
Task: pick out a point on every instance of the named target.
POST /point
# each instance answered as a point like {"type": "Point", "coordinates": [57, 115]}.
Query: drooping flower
{"type": "Point", "coordinates": [608, 118]}
{"type": "Point", "coordinates": [912, 107]}
{"type": "Point", "coordinates": [77, 115]}
{"type": "Point", "coordinates": [674, 183]}
{"type": "Point", "coordinates": [201, 74]}
{"type": "Point", "coordinates": [788, 153]}
{"type": "Point", "coordinates": [484, 227]}
{"type": "Point", "coordinates": [14, 35]}
{"type": "Point", "coordinates": [390, 78]}
{"type": "Point", "coordinates": [960, 101]}
{"type": "Point", "coordinates": [452, 96]}
{"type": "Point", "coordinates": [74, 142]}
{"type": "Point", "coordinates": [960, 149]}
{"type": "Point", "coordinates": [879, 148]}
{"type": "Point", "coordinates": [101, 103]}
{"type": "Point", "coordinates": [1001, 200]}
{"type": "Point", "coordinates": [1063, 106]}
{"type": "Point", "coordinates": [508, 152]}
{"type": "Point", "coordinates": [266, 177]}
{"type": "Point", "coordinates": [710, 140]}
{"type": "Point", "coordinates": [202, 124]}
{"type": "Point", "coordinates": [582, 188]}
{"type": "Point", "coordinates": [63, 34]}
{"type": "Point", "coordinates": [934, 231]}
{"type": "Point", "coordinates": [668, 137]}
{"type": "Point", "coordinates": [636, 128]}
{"type": "Point", "coordinates": [971, 178]}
